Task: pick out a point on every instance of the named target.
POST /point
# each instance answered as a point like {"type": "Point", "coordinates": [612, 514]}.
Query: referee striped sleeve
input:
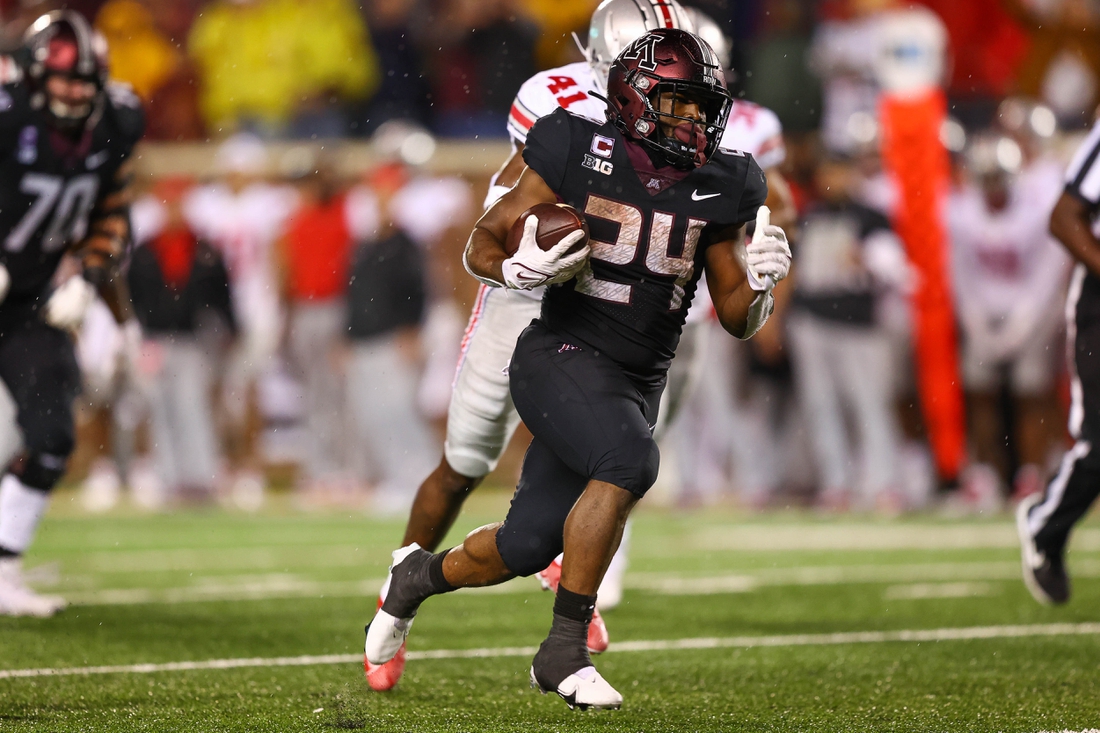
{"type": "Point", "coordinates": [1083, 174]}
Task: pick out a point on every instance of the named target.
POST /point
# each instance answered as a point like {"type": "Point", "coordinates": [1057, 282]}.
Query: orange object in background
{"type": "Point", "coordinates": [914, 155]}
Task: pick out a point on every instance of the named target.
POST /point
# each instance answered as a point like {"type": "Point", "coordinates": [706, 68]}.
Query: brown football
{"type": "Point", "coordinates": [556, 221]}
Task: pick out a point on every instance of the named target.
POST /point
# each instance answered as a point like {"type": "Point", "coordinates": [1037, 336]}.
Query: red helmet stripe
{"type": "Point", "coordinates": [664, 11]}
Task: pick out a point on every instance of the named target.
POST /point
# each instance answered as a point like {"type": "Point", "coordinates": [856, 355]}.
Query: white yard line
{"type": "Point", "coordinates": [729, 642]}
{"type": "Point", "coordinates": [282, 585]}
{"type": "Point", "coordinates": [808, 537]}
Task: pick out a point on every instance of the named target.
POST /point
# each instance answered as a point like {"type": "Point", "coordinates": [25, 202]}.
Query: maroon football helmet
{"type": "Point", "coordinates": [62, 43]}
{"type": "Point", "coordinates": [674, 67]}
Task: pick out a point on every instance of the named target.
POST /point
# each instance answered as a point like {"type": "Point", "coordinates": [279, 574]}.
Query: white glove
{"type": "Point", "coordinates": [5, 282]}
{"type": "Point", "coordinates": [767, 258]}
{"type": "Point", "coordinates": [530, 267]}
{"type": "Point", "coordinates": [69, 303]}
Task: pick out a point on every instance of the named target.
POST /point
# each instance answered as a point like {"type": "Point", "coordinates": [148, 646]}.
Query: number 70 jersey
{"type": "Point", "coordinates": [50, 187]}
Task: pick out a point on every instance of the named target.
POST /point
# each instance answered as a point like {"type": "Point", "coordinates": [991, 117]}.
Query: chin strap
{"type": "Point", "coordinates": [759, 312]}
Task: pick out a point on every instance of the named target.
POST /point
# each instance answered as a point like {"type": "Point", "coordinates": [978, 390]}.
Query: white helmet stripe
{"type": "Point", "coordinates": [705, 53]}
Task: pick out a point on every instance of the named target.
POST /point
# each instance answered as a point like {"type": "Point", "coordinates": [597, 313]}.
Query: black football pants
{"type": "Point", "coordinates": [590, 421]}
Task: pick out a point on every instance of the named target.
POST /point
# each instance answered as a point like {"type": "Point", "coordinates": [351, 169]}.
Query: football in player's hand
{"type": "Point", "coordinates": [556, 221]}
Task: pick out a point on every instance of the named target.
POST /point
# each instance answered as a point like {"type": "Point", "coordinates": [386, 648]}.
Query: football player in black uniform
{"type": "Point", "coordinates": [663, 203]}
{"type": "Point", "coordinates": [65, 136]}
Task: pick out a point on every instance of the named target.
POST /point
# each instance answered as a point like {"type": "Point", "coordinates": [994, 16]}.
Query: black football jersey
{"type": "Point", "coordinates": [648, 249]}
{"type": "Point", "coordinates": [50, 187]}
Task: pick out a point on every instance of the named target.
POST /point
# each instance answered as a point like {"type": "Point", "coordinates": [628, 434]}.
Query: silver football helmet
{"type": "Point", "coordinates": [617, 23]}
{"type": "Point", "coordinates": [707, 29]}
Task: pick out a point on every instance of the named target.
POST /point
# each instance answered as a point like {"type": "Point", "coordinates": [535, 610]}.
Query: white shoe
{"type": "Point", "coordinates": [17, 599]}
{"type": "Point", "coordinates": [147, 491]}
{"type": "Point", "coordinates": [247, 491]}
{"type": "Point", "coordinates": [102, 488]}
{"type": "Point", "coordinates": [585, 689]}
{"type": "Point", "coordinates": [386, 633]}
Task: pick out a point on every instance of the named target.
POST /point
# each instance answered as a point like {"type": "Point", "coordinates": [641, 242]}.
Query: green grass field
{"type": "Point", "coordinates": [791, 618]}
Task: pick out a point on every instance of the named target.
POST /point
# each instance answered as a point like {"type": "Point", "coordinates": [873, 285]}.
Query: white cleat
{"type": "Point", "coordinates": [18, 599]}
{"type": "Point", "coordinates": [584, 689]}
{"type": "Point", "coordinates": [386, 633]}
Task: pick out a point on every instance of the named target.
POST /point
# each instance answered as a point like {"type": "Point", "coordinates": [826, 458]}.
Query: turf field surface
{"type": "Point", "coordinates": [225, 622]}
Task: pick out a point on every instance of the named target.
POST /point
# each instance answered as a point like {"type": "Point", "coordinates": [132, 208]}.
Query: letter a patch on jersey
{"type": "Point", "coordinates": [602, 146]}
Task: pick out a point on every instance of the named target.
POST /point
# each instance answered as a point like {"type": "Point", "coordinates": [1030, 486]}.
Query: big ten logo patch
{"type": "Point", "coordinates": [600, 166]}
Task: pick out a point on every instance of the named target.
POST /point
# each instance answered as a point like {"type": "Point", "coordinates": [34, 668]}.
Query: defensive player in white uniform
{"type": "Point", "coordinates": [482, 418]}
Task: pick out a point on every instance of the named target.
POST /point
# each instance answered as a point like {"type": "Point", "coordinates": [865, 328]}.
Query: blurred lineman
{"type": "Point", "coordinates": [663, 202]}
{"type": "Point", "coordinates": [1009, 276]}
{"type": "Point", "coordinates": [842, 362]}
{"type": "Point", "coordinates": [482, 418]}
{"type": "Point", "coordinates": [67, 133]}
{"type": "Point", "coordinates": [242, 216]}
{"type": "Point", "coordinates": [1044, 521]}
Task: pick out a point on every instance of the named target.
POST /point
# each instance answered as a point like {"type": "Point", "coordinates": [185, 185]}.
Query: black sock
{"type": "Point", "coordinates": [418, 577]}
{"type": "Point", "coordinates": [565, 650]}
{"type": "Point", "coordinates": [573, 605]}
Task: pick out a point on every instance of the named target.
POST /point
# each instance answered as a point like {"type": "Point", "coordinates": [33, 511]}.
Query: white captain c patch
{"type": "Point", "coordinates": [602, 146]}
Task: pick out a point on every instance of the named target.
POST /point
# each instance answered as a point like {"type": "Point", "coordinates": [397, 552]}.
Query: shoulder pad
{"type": "Point", "coordinates": [128, 113]}
{"type": "Point", "coordinates": [122, 94]}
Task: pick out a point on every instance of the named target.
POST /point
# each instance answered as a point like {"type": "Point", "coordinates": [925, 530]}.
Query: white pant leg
{"type": "Point", "coordinates": [702, 430]}
{"type": "Point", "coordinates": [865, 360]}
{"type": "Point", "coordinates": [315, 332]}
{"type": "Point", "coordinates": [683, 375]}
{"type": "Point", "coordinates": [482, 418]}
{"type": "Point", "coordinates": [11, 437]}
{"type": "Point", "coordinates": [162, 418]}
{"type": "Point", "coordinates": [382, 388]}
{"type": "Point", "coordinates": [753, 438]}
{"type": "Point", "coordinates": [193, 430]}
{"type": "Point", "coordinates": [814, 364]}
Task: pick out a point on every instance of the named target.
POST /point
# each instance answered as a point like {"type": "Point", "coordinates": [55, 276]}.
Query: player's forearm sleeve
{"type": "Point", "coordinates": [759, 311]}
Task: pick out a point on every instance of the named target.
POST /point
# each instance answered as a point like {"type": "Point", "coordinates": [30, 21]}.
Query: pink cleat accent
{"type": "Point", "coordinates": [384, 677]}
{"type": "Point", "coordinates": [598, 638]}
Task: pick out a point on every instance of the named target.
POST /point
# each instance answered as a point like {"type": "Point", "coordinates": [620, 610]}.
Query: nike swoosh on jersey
{"type": "Point", "coordinates": [696, 197]}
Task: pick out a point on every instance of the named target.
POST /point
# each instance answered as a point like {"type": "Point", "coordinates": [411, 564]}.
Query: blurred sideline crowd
{"type": "Point", "coordinates": [297, 317]}
{"type": "Point", "coordinates": [333, 68]}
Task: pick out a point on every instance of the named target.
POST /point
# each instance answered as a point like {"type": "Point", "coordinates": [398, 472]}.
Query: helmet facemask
{"type": "Point", "coordinates": [682, 121]}
{"type": "Point", "coordinates": [689, 120]}
{"type": "Point", "coordinates": [667, 92]}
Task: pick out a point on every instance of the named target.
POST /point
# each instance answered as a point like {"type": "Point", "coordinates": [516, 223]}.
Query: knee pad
{"type": "Point", "coordinates": [525, 552]}
{"type": "Point", "coordinates": [632, 466]}
{"type": "Point", "coordinates": [41, 471]}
